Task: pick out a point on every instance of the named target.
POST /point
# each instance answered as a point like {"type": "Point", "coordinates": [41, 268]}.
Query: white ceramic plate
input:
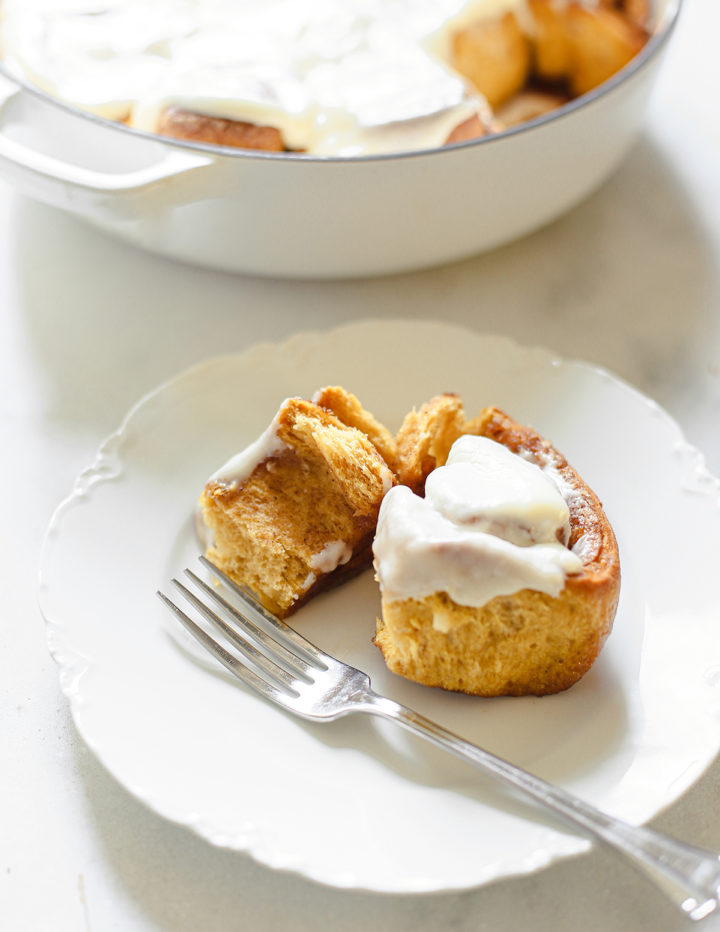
{"type": "Point", "coordinates": [359, 803]}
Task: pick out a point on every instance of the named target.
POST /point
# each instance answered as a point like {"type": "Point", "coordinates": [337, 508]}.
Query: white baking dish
{"type": "Point", "coordinates": [295, 215]}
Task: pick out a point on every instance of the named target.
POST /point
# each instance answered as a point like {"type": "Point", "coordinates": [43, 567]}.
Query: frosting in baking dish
{"type": "Point", "coordinates": [491, 524]}
{"type": "Point", "coordinates": [339, 77]}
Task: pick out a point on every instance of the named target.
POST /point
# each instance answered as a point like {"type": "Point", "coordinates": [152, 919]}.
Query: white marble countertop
{"type": "Point", "coordinates": [629, 280]}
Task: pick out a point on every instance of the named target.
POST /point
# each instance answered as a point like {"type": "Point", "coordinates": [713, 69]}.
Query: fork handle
{"type": "Point", "coordinates": [689, 875]}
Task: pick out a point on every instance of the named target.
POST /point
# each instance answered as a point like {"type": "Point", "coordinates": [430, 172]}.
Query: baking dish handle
{"type": "Point", "coordinates": [77, 188]}
{"type": "Point", "coordinates": [19, 159]}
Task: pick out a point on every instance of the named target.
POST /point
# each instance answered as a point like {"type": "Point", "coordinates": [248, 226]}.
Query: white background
{"type": "Point", "coordinates": [629, 280]}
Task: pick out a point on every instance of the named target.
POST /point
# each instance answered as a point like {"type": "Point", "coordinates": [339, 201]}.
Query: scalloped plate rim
{"type": "Point", "coordinates": [72, 665]}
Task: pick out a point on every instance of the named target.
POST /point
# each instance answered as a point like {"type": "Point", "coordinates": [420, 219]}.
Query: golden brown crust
{"type": "Point", "coordinates": [425, 437]}
{"type": "Point", "coordinates": [346, 406]}
{"type": "Point", "coordinates": [527, 643]}
{"type": "Point", "coordinates": [550, 46]}
{"type": "Point", "coordinates": [216, 131]}
{"type": "Point", "coordinates": [638, 11]}
{"type": "Point", "coordinates": [494, 55]}
{"type": "Point", "coordinates": [582, 46]}
{"type": "Point", "coordinates": [602, 41]}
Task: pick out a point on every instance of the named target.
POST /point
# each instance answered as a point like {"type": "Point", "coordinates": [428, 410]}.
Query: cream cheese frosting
{"type": "Point", "coordinates": [491, 524]}
{"type": "Point", "coordinates": [336, 77]}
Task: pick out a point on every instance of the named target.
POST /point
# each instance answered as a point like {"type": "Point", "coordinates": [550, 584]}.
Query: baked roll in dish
{"type": "Point", "coordinates": [503, 580]}
{"type": "Point", "coordinates": [192, 126]}
{"type": "Point", "coordinates": [295, 512]}
{"type": "Point", "coordinates": [186, 124]}
{"type": "Point", "coordinates": [375, 78]}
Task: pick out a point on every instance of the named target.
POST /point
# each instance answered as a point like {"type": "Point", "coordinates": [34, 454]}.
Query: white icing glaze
{"type": "Point", "coordinates": [341, 77]}
{"type": "Point", "coordinates": [335, 553]}
{"type": "Point", "coordinates": [239, 467]}
{"type": "Point", "coordinates": [443, 543]}
{"type": "Point", "coordinates": [486, 487]}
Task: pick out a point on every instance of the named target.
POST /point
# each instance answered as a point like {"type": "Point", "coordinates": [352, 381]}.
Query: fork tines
{"type": "Point", "coordinates": [276, 658]}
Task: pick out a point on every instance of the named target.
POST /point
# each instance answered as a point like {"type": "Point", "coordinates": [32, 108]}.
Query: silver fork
{"type": "Point", "coordinates": [286, 668]}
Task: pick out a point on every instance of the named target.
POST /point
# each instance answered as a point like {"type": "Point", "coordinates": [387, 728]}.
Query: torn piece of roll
{"type": "Point", "coordinates": [295, 512]}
